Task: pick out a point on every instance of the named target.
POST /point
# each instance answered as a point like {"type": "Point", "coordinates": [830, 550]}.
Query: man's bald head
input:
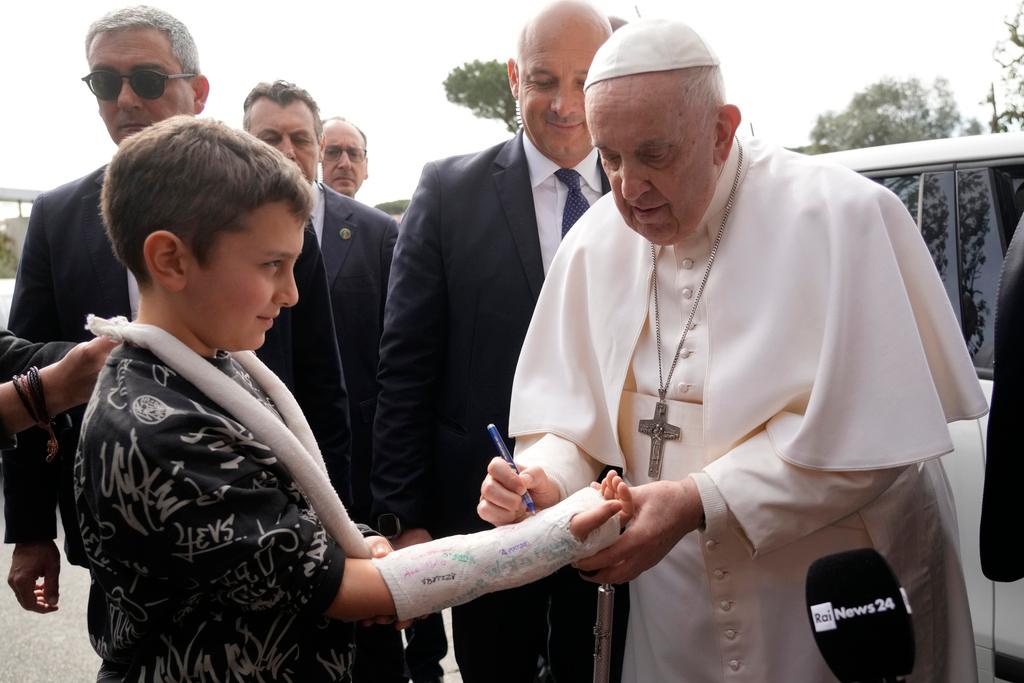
{"type": "Point", "coordinates": [554, 53]}
{"type": "Point", "coordinates": [556, 19]}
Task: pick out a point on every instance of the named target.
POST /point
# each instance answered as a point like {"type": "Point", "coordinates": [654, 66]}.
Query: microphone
{"type": "Point", "coordinates": [860, 617]}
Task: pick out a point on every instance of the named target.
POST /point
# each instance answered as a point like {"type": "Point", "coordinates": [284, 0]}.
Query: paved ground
{"type": "Point", "coordinates": [54, 648]}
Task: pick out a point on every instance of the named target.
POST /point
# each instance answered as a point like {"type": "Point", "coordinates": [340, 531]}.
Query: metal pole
{"type": "Point", "coordinates": [603, 633]}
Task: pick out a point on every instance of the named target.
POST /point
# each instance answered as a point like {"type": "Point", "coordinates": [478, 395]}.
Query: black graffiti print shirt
{"type": "Point", "coordinates": [208, 564]}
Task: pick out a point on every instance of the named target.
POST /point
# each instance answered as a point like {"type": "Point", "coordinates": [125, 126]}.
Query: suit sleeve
{"type": "Point", "coordinates": [1001, 558]}
{"type": "Point", "coordinates": [319, 383]}
{"type": "Point", "coordinates": [387, 252]}
{"type": "Point", "coordinates": [17, 354]}
{"type": "Point", "coordinates": [30, 483]}
{"type": "Point", "coordinates": [411, 362]}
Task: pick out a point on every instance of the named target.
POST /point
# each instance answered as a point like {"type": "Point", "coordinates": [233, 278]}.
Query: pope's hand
{"type": "Point", "coordinates": [663, 512]}
{"type": "Point", "coordinates": [501, 493]}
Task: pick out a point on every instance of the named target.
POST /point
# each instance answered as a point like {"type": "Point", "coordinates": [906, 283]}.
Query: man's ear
{"type": "Point", "coordinates": [168, 260]}
{"type": "Point", "coordinates": [725, 131]}
{"type": "Point", "coordinates": [200, 90]}
{"type": "Point", "coordinates": [513, 78]}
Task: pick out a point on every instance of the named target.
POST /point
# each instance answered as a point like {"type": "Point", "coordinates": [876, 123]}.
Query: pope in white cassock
{"type": "Point", "coordinates": [762, 342]}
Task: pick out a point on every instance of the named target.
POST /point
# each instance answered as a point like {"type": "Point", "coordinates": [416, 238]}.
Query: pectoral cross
{"type": "Point", "coordinates": [660, 431]}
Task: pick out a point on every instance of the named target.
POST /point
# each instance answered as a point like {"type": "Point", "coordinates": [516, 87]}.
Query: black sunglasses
{"type": "Point", "coordinates": [149, 85]}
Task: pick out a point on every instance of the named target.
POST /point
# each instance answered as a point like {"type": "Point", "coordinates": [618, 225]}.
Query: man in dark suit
{"type": "Point", "coordinates": [357, 242]}
{"type": "Point", "coordinates": [144, 68]}
{"type": "Point", "coordinates": [469, 263]}
{"type": "Point", "coordinates": [1002, 556]}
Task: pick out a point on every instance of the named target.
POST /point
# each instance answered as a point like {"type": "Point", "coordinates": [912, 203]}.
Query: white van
{"type": "Point", "coordinates": [968, 196]}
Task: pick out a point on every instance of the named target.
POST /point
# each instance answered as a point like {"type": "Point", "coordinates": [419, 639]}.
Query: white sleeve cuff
{"type": "Point", "coordinates": [569, 467]}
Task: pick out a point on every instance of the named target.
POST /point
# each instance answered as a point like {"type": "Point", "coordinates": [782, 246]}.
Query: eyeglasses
{"type": "Point", "coordinates": [355, 154]}
{"type": "Point", "coordinates": [149, 85]}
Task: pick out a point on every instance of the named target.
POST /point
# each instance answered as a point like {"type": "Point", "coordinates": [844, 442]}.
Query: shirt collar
{"type": "Point", "coordinates": [542, 168]}
{"type": "Point", "coordinates": [723, 188]}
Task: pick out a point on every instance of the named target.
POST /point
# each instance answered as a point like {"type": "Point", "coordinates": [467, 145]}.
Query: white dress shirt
{"type": "Point", "coordinates": [319, 207]}
{"type": "Point", "coordinates": [549, 194]}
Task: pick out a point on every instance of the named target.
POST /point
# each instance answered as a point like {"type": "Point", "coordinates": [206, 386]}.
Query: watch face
{"type": "Point", "coordinates": [388, 525]}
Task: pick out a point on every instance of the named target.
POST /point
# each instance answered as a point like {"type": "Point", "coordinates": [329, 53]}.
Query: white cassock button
{"type": "Point", "coordinates": [693, 325]}
{"type": "Point", "coordinates": [687, 263]}
{"type": "Point", "coordinates": [735, 664]}
{"type": "Point", "coordinates": [685, 353]}
{"type": "Point", "coordinates": [730, 634]}
{"type": "Point", "coordinates": [687, 292]}
{"type": "Point", "coordinates": [719, 574]}
{"type": "Point", "coordinates": [711, 544]}
{"type": "Point", "coordinates": [682, 387]}
{"type": "Point", "coordinates": [726, 605]}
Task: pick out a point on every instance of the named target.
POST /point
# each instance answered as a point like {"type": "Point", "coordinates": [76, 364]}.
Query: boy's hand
{"type": "Point", "coordinates": [583, 523]}
{"type": "Point", "coordinates": [613, 487]}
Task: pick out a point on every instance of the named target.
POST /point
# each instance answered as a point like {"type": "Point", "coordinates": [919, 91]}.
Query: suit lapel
{"type": "Point", "coordinates": [110, 273]}
{"type": "Point", "coordinates": [512, 180]}
{"type": "Point", "coordinates": [337, 219]}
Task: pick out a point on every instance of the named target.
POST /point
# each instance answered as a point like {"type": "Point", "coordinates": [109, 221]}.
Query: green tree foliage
{"type": "Point", "coordinates": [394, 207]}
{"type": "Point", "coordinates": [1009, 54]}
{"type": "Point", "coordinates": [483, 87]}
{"type": "Point", "coordinates": [891, 111]}
{"type": "Point", "coordinates": [8, 259]}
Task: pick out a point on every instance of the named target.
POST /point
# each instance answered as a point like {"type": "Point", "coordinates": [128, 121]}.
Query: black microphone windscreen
{"type": "Point", "coordinates": [860, 617]}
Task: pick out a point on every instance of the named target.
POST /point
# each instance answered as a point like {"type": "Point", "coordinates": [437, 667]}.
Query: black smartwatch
{"type": "Point", "coordinates": [389, 525]}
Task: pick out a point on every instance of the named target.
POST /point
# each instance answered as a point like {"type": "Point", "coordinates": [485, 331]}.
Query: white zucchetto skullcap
{"type": "Point", "coordinates": [649, 45]}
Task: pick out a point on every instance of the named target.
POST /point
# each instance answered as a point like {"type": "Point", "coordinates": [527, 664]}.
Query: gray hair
{"type": "Point", "coordinates": [141, 17]}
{"type": "Point", "coordinates": [704, 89]}
{"type": "Point", "coordinates": [344, 120]}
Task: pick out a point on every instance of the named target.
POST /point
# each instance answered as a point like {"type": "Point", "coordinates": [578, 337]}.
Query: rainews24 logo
{"type": "Point", "coordinates": [827, 618]}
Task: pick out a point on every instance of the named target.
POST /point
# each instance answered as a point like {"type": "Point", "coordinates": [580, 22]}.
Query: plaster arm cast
{"type": "Point", "coordinates": [429, 577]}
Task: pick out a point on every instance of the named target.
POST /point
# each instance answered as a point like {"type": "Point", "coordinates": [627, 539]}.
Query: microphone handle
{"type": "Point", "coordinates": [603, 633]}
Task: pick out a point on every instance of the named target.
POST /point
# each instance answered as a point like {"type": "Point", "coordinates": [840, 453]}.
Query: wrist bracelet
{"type": "Point", "coordinates": [29, 387]}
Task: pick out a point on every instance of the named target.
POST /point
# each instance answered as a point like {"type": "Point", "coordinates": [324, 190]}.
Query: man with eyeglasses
{"type": "Point", "coordinates": [144, 68]}
{"type": "Point", "coordinates": [345, 164]}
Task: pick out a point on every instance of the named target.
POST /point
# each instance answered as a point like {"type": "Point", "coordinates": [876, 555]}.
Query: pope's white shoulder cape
{"type": "Point", "coordinates": [828, 327]}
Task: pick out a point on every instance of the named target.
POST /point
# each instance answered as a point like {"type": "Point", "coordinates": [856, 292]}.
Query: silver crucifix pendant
{"type": "Point", "coordinates": [660, 431]}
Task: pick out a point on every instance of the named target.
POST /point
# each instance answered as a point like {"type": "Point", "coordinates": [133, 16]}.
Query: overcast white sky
{"type": "Point", "coordinates": [381, 64]}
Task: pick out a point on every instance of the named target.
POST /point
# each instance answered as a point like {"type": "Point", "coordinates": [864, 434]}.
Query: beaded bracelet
{"type": "Point", "coordinates": [30, 390]}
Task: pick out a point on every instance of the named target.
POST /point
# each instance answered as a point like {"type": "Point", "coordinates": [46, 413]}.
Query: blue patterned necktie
{"type": "Point", "coordinates": [575, 203]}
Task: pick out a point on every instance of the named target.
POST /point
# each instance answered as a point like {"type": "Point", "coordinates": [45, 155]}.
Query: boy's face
{"type": "Point", "coordinates": [232, 300]}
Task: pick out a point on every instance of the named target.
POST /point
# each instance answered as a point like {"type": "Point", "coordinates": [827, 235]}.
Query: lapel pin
{"type": "Point", "coordinates": [345, 233]}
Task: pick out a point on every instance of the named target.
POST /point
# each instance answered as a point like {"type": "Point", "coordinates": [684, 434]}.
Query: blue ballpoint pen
{"type": "Point", "coordinates": [499, 443]}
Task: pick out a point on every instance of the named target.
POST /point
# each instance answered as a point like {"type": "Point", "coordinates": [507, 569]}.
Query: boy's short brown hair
{"type": "Point", "coordinates": [195, 178]}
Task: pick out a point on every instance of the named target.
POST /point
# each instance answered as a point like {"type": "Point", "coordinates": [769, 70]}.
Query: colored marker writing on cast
{"type": "Point", "coordinates": [499, 443]}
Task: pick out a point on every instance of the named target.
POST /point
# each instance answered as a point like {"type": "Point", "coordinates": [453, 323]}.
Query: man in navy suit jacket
{"type": "Point", "coordinates": [468, 267]}
{"type": "Point", "coordinates": [68, 270]}
{"type": "Point", "coordinates": [1002, 557]}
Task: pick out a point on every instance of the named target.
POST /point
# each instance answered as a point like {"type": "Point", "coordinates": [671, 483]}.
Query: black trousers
{"type": "Point", "coordinates": [426, 645]}
{"type": "Point", "coordinates": [378, 655]}
{"type": "Point", "coordinates": [500, 637]}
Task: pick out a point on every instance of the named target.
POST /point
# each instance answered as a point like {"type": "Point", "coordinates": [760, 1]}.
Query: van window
{"type": "Point", "coordinates": [937, 221]}
{"type": "Point", "coordinates": [981, 257]}
{"type": "Point", "coordinates": [931, 200]}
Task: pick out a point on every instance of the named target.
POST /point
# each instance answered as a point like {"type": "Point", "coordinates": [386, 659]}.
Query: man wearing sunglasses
{"type": "Point", "coordinates": [143, 68]}
{"type": "Point", "coordinates": [345, 163]}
